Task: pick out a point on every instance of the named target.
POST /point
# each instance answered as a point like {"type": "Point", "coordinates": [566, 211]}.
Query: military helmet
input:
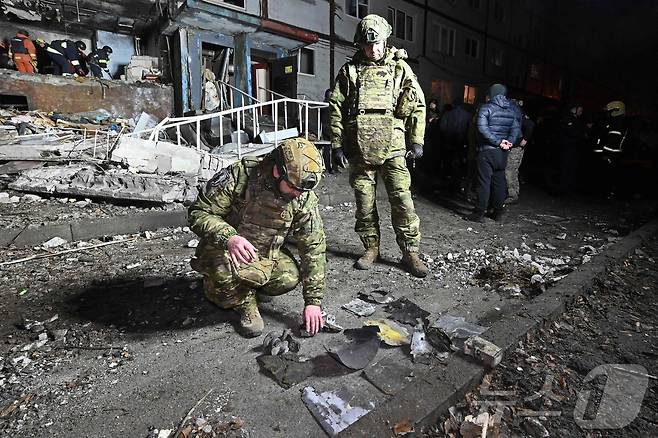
{"type": "Point", "coordinates": [299, 163]}
{"type": "Point", "coordinates": [616, 108]}
{"type": "Point", "coordinates": [372, 29]}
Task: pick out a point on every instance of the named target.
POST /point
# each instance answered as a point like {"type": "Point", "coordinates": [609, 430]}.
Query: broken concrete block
{"type": "Point", "coordinates": [157, 156]}
{"type": "Point", "coordinates": [280, 135]}
{"type": "Point", "coordinates": [54, 242]}
{"type": "Point", "coordinates": [486, 352]}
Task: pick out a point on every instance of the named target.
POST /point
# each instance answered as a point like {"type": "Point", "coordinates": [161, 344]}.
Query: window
{"type": "Point", "coordinates": [238, 3]}
{"type": "Point", "coordinates": [499, 11]}
{"type": "Point", "coordinates": [534, 71]}
{"type": "Point", "coordinates": [402, 24]}
{"type": "Point", "coordinates": [357, 8]}
{"type": "Point", "coordinates": [472, 47]}
{"type": "Point", "coordinates": [497, 57]}
{"type": "Point", "coordinates": [307, 61]}
{"type": "Point", "coordinates": [475, 4]}
{"type": "Point", "coordinates": [469, 94]}
{"type": "Point", "coordinates": [445, 40]}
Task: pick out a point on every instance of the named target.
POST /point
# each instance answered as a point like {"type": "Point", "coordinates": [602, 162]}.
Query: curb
{"type": "Point", "coordinates": [85, 229]}
{"type": "Point", "coordinates": [428, 396]}
{"type": "Point", "coordinates": [88, 229]}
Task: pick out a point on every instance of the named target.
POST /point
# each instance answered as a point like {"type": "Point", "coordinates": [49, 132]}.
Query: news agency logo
{"type": "Point", "coordinates": [620, 402]}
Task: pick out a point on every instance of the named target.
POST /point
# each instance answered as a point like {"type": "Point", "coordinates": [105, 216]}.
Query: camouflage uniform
{"type": "Point", "coordinates": [244, 199]}
{"type": "Point", "coordinates": [376, 107]}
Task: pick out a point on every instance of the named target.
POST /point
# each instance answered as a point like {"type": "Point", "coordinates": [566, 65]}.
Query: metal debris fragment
{"type": "Point", "coordinates": [331, 410]}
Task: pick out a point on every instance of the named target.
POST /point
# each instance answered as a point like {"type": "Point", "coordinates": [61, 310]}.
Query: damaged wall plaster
{"type": "Point", "coordinates": [67, 95]}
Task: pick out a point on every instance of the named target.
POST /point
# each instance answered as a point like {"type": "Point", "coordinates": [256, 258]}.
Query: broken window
{"type": "Point", "coordinates": [357, 8]}
{"type": "Point", "coordinates": [307, 61]}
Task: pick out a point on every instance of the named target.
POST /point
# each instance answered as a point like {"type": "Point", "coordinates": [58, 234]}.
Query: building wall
{"type": "Point", "coordinates": [67, 95]}
{"type": "Point", "coordinates": [312, 15]}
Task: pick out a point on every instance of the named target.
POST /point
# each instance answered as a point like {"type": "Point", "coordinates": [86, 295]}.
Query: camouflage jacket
{"type": "Point", "coordinates": [410, 125]}
{"type": "Point", "coordinates": [244, 197]}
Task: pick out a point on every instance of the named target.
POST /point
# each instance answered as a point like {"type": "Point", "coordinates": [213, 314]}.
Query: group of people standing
{"type": "Point", "coordinates": [59, 57]}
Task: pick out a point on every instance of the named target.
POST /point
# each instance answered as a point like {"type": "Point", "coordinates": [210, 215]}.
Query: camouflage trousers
{"type": "Point", "coordinates": [397, 180]}
{"type": "Point", "coordinates": [223, 288]}
{"type": "Point", "coordinates": [514, 159]}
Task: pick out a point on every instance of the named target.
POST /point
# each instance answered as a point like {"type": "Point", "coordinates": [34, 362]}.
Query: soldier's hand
{"type": "Point", "coordinates": [313, 321]}
{"type": "Point", "coordinates": [339, 158]}
{"type": "Point", "coordinates": [416, 150]}
{"type": "Point", "coordinates": [241, 250]}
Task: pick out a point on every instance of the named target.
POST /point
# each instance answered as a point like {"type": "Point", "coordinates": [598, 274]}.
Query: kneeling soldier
{"type": "Point", "coordinates": [245, 216]}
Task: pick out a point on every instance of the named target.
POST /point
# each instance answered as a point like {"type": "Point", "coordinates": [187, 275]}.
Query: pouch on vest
{"type": "Point", "coordinates": [406, 103]}
{"type": "Point", "coordinates": [374, 134]}
{"type": "Point", "coordinates": [255, 274]}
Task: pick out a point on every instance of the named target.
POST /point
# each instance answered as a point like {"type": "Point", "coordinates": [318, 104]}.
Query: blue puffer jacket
{"type": "Point", "coordinates": [497, 121]}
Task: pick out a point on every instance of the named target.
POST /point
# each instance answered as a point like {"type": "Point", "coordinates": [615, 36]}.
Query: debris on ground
{"type": "Point", "coordinates": [358, 350]}
{"type": "Point", "coordinates": [359, 307]}
{"type": "Point", "coordinates": [332, 410]}
{"type": "Point", "coordinates": [275, 345]}
{"type": "Point", "coordinates": [485, 351]}
{"type": "Point", "coordinates": [403, 428]}
{"type": "Point", "coordinates": [453, 328]}
{"type": "Point", "coordinates": [542, 387]}
{"type": "Point", "coordinates": [390, 332]}
{"type": "Point", "coordinates": [377, 296]}
{"type": "Point", "coordinates": [405, 311]}
{"type": "Point", "coordinates": [287, 369]}
{"type": "Point", "coordinates": [420, 348]}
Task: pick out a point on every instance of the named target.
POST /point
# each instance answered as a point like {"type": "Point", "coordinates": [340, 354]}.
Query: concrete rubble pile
{"type": "Point", "coordinates": [90, 155]}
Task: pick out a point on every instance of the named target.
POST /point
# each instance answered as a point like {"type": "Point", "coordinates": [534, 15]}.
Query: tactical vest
{"type": "Point", "coordinates": [374, 105]}
{"type": "Point", "coordinates": [266, 218]}
{"type": "Point", "coordinates": [18, 46]}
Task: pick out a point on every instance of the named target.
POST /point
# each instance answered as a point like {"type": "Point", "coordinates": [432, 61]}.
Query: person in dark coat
{"type": "Point", "coordinates": [99, 60]}
{"type": "Point", "coordinates": [498, 128]}
{"type": "Point", "coordinates": [4, 54]}
{"type": "Point", "coordinates": [68, 56]}
{"type": "Point", "coordinates": [454, 141]}
{"type": "Point", "coordinates": [572, 139]}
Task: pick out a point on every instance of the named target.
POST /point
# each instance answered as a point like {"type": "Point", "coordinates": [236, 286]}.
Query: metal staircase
{"type": "Point", "coordinates": [222, 138]}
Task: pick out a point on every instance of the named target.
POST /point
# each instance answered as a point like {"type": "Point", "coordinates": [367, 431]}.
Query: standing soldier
{"type": "Point", "coordinates": [99, 60]}
{"type": "Point", "coordinates": [25, 54]}
{"type": "Point", "coordinates": [377, 108]}
{"type": "Point", "coordinates": [244, 217]}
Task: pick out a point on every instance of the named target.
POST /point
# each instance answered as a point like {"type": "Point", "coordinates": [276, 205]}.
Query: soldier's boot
{"type": "Point", "coordinates": [251, 323]}
{"type": "Point", "coordinates": [413, 264]}
{"type": "Point", "coordinates": [369, 257]}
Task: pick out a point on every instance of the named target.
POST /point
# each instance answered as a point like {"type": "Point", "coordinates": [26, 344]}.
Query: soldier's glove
{"type": "Point", "coordinates": [416, 151]}
{"type": "Point", "coordinates": [339, 159]}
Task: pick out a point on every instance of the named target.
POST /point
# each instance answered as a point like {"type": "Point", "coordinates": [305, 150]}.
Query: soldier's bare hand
{"type": "Point", "coordinates": [241, 250]}
{"type": "Point", "coordinates": [313, 321]}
